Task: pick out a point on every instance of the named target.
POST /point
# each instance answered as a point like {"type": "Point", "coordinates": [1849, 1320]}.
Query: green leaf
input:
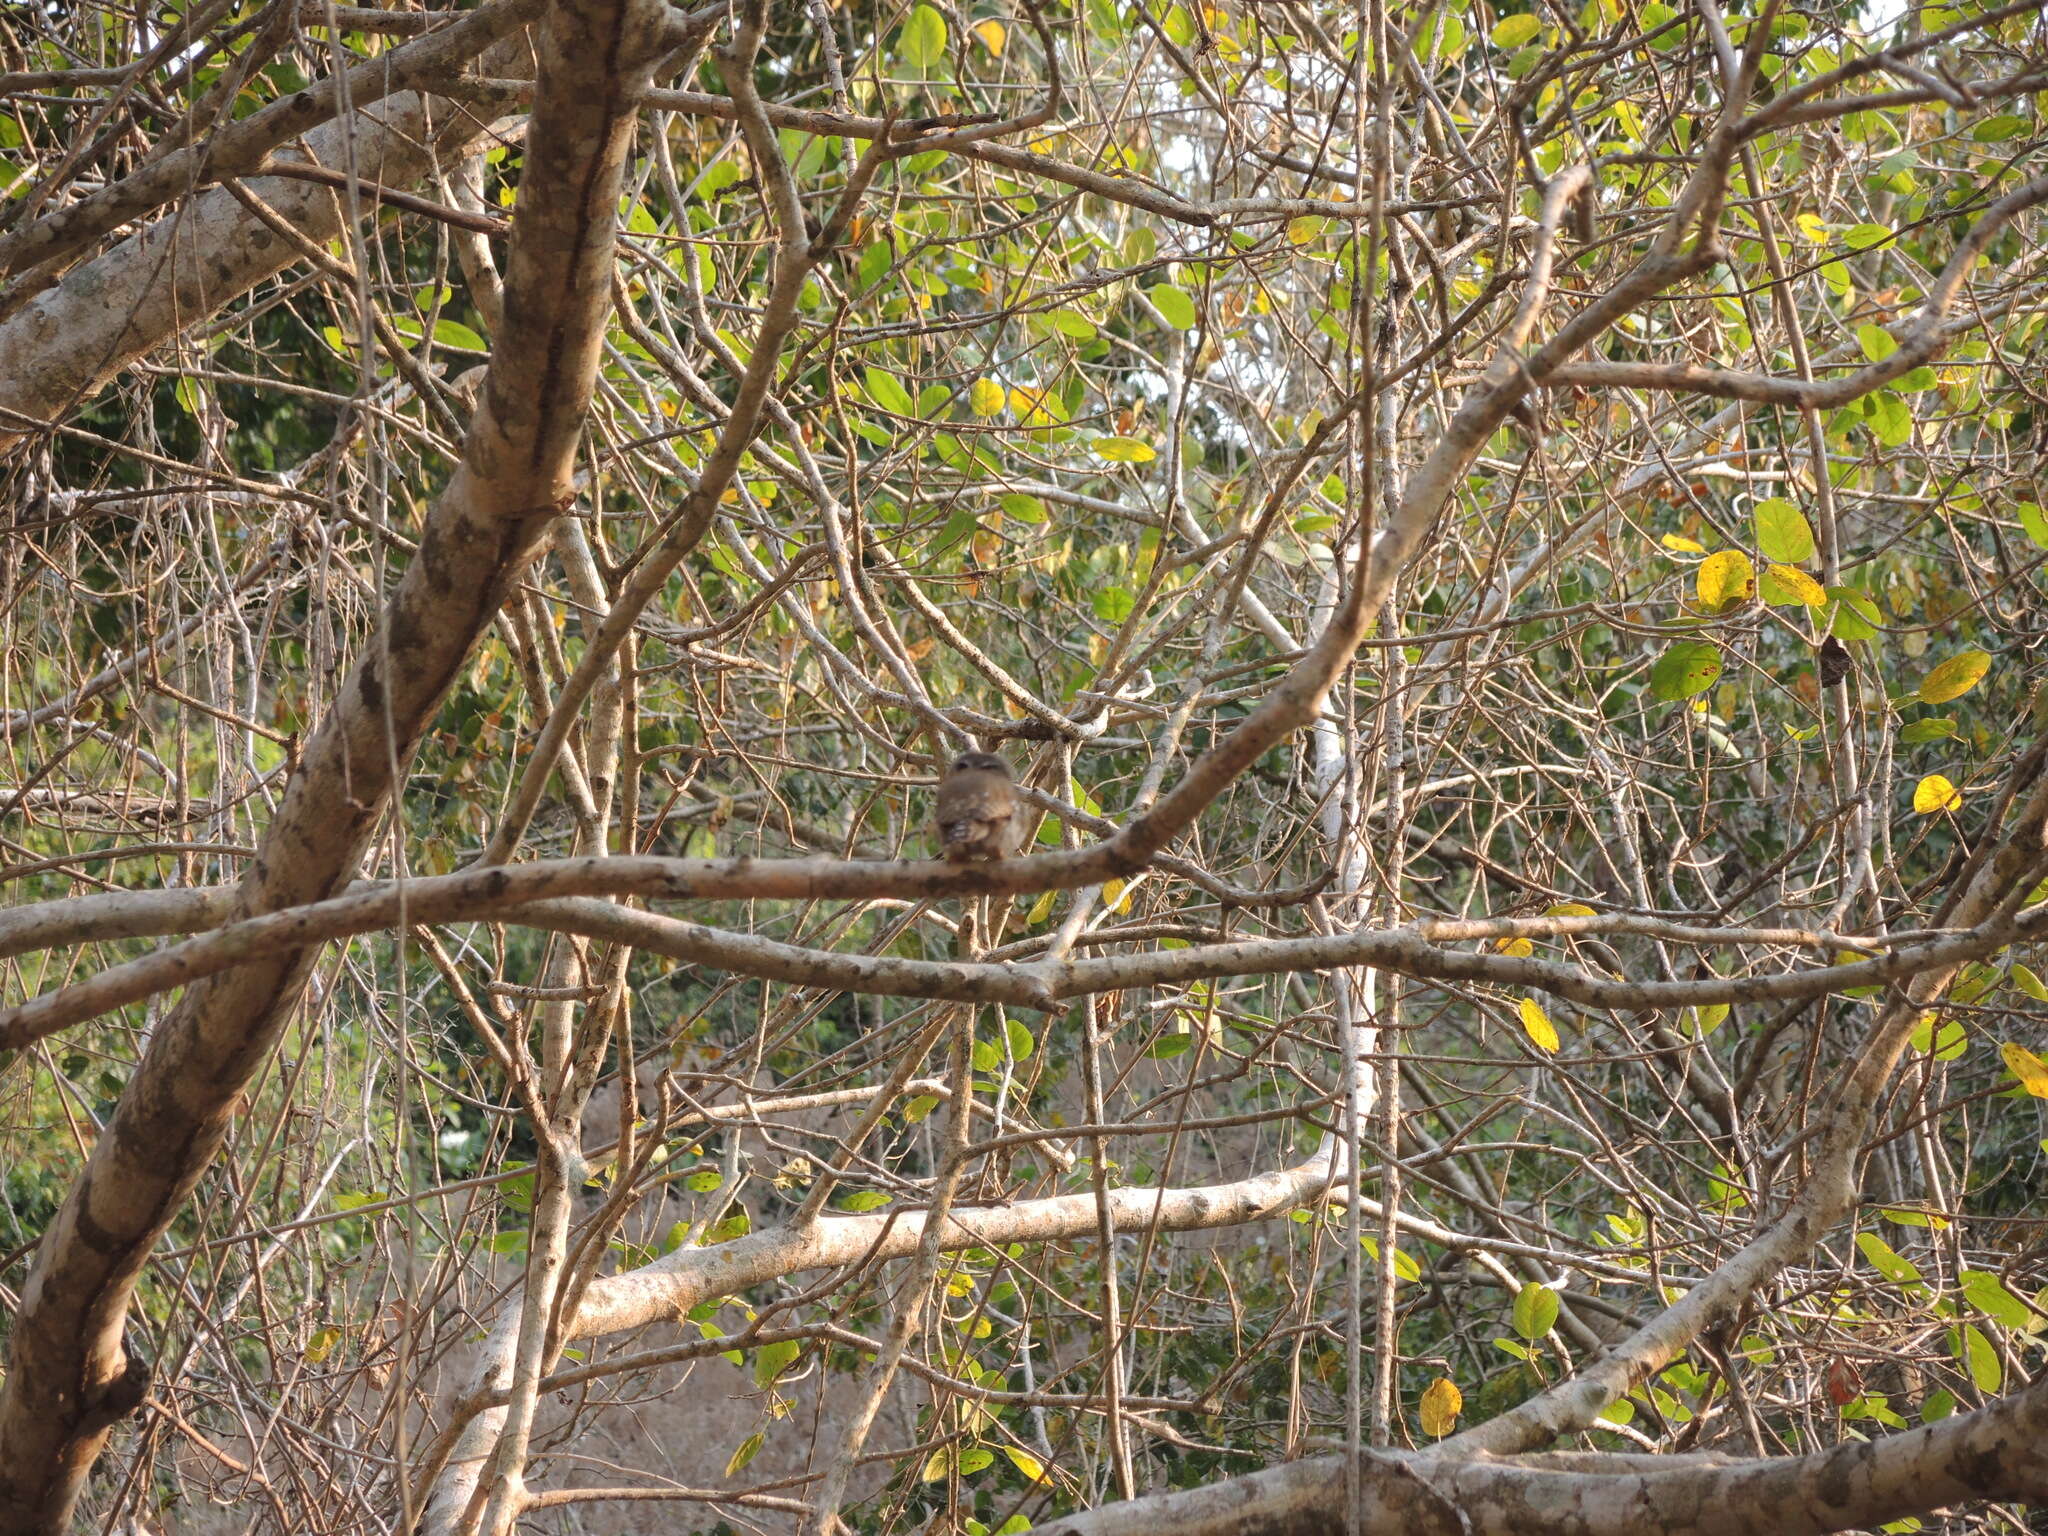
{"type": "Point", "coordinates": [1025, 509]}
{"type": "Point", "coordinates": [1980, 1359]}
{"type": "Point", "coordinates": [1071, 322]}
{"type": "Point", "coordinates": [1174, 306]}
{"type": "Point", "coordinates": [1782, 531]}
{"type": "Point", "coordinates": [1022, 1042]}
{"type": "Point", "coordinates": [749, 1448]}
{"type": "Point", "coordinates": [922, 42]}
{"type": "Point", "coordinates": [1886, 1261]}
{"type": "Point", "coordinates": [1535, 1311]}
{"type": "Point", "coordinates": [770, 1360]}
{"type": "Point", "coordinates": [1988, 1294]}
{"type": "Point", "coordinates": [887, 391]}
{"type": "Point", "coordinates": [1877, 342]}
{"type": "Point", "coordinates": [2034, 521]}
{"type": "Point", "coordinates": [454, 333]}
{"type": "Point", "coordinates": [1514, 31]}
{"type": "Point", "coordinates": [1113, 604]}
{"type": "Point", "coordinates": [1943, 1039]}
{"type": "Point", "coordinates": [1890, 418]}
{"type": "Point", "coordinates": [1864, 237]}
{"type": "Point", "coordinates": [864, 1200]}
{"type": "Point", "coordinates": [2003, 126]}
{"type": "Point", "coordinates": [1934, 728]}
{"type": "Point", "coordinates": [1686, 668]}
{"type": "Point", "coordinates": [738, 1224]}
{"type": "Point", "coordinates": [1855, 617]}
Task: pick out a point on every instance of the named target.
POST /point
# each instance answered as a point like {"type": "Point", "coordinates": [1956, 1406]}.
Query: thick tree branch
{"type": "Point", "coordinates": [67, 1349]}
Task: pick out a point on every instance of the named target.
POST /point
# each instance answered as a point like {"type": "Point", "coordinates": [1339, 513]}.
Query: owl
{"type": "Point", "coordinates": [980, 814]}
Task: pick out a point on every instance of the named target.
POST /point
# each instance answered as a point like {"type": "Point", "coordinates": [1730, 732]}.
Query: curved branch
{"type": "Point", "coordinates": [1923, 340]}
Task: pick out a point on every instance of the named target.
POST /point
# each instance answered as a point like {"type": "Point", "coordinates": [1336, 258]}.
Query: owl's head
{"type": "Point", "coordinates": [980, 762]}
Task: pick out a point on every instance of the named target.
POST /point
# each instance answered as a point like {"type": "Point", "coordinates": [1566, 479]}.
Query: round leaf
{"type": "Point", "coordinates": [922, 42]}
{"type": "Point", "coordinates": [1174, 306]}
{"type": "Point", "coordinates": [1686, 668]}
{"type": "Point", "coordinates": [1441, 1405]}
{"type": "Point", "coordinates": [1535, 1311]}
{"type": "Point", "coordinates": [1954, 677]}
{"type": "Point", "coordinates": [1782, 532]}
{"type": "Point", "coordinates": [1936, 793]}
{"type": "Point", "coordinates": [986, 397]}
{"type": "Point", "coordinates": [1725, 578]}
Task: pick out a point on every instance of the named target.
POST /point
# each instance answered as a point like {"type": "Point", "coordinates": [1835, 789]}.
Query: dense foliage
{"type": "Point", "coordinates": [1112, 336]}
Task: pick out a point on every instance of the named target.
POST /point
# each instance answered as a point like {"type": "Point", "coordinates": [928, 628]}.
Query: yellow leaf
{"type": "Point", "coordinates": [986, 398]}
{"type": "Point", "coordinates": [1124, 450]}
{"type": "Point", "coordinates": [2030, 1069]}
{"type": "Point", "coordinates": [1538, 1024]}
{"type": "Point", "coordinates": [748, 1448]}
{"type": "Point", "coordinates": [1954, 677]}
{"type": "Point", "coordinates": [1725, 578]}
{"type": "Point", "coordinates": [1935, 793]}
{"type": "Point", "coordinates": [1684, 546]}
{"type": "Point", "coordinates": [1304, 228]}
{"type": "Point", "coordinates": [1116, 896]}
{"type": "Point", "coordinates": [1521, 949]}
{"type": "Point", "coordinates": [994, 36]}
{"type": "Point", "coordinates": [1785, 584]}
{"type": "Point", "coordinates": [936, 1465]}
{"type": "Point", "coordinates": [321, 1345]}
{"type": "Point", "coordinates": [1026, 1463]}
{"type": "Point", "coordinates": [1041, 909]}
{"type": "Point", "coordinates": [1441, 1405]}
{"type": "Point", "coordinates": [1569, 909]}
